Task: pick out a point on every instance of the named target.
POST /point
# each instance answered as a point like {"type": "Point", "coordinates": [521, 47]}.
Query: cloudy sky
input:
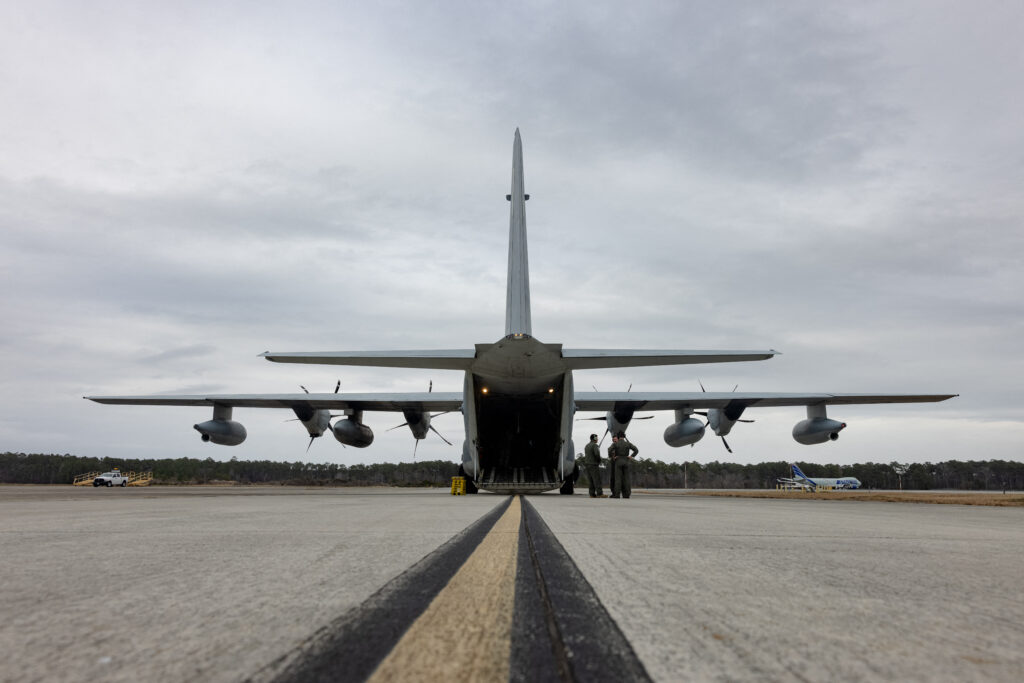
{"type": "Point", "coordinates": [186, 185]}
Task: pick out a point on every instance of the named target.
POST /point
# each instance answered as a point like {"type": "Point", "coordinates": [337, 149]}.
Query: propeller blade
{"type": "Point", "coordinates": [304, 388]}
{"type": "Point", "coordinates": [599, 443]}
{"type": "Point", "coordinates": [440, 414]}
{"type": "Point", "coordinates": [735, 388]}
{"type": "Point", "coordinates": [310, 443]}
{"type": "Point", "coordinates": [337, 386]}
{"type": "Point", "coordinates": [417, 445]}
{"type": "Point", "coordinates": [726, 444]}
{"type": "Point", "coordinates": [430, 387]}
{"type": "Point", "coordinates": [646, 417]}
{"type": "Point", "coordinates": [439, 434]}
{"type": "Point", "coordinates": [629, 388]}
{"type": "Point", "coordinates": [702, 386]}
{"type": "Point", "coordinates": [404, 424]}
{"type": "Point", "coordinates": [595, 388]}
{"type": "Point", "coordinates": [744, 420]}
{"type": "Point", "coordinates": [584, 419]}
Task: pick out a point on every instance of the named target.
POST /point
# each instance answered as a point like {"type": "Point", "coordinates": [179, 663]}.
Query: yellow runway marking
{"type": "Point", "coordinates": [465, 633]}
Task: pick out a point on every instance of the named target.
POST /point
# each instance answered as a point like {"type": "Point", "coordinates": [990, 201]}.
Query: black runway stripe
{"type": "Point", "coordinates": [557, 608]}
{"type": "Point", "coordinates": [351, 647]}
{"type": "Point", "coordinates": [537, 654]}
{"type": "Point", "coordinates": [560, 631]}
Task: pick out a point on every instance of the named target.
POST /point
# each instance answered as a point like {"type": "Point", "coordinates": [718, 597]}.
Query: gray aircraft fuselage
{"type": "Point", "coordinates": [518, 410]}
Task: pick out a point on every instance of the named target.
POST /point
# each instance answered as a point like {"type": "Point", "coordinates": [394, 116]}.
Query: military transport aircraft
{"type": "Point", "coordinates": [518, 402]}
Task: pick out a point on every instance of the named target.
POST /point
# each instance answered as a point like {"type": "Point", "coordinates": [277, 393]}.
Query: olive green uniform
{"type": "Point", "coordinates": [622, 452]}
{"type": "Point", "coordinates": [592, 461]}
{"type": "Point", "coordinates": [611, 467]}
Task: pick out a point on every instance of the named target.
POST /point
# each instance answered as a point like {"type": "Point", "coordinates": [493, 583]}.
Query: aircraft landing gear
{"type": "Point", "coordinates": [569, 486]}
{"type": "Point", "coordinates": [470, 486]}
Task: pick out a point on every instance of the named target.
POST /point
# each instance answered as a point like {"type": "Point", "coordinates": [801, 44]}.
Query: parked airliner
{"type": "Point", "coordinates": [801, 479]}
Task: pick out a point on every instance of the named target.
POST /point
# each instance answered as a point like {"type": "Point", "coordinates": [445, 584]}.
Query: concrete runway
{"type": "Point", "coordinates": [239, 583]}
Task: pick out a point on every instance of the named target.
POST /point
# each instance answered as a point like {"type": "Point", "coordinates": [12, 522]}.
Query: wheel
{"type": "Point", "coordinates": [124, 483]}
{"type": "Point", "coordinates": [95, 484]}
{"type": "Point", "coordinates": [110, 483]}
{"type": "Point", "coordinates": [567, 488]}
{"type": "Point", "coordinates": [470, 486]}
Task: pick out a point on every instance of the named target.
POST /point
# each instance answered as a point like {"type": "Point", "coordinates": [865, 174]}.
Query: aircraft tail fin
{"type": "Point", "coordinates": [800, 476]}
{"type": "Point", "coordinates": [517, 299]}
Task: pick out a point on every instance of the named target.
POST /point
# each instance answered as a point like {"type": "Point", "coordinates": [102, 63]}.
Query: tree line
{"type": "Point", "coordinates": [22, 468]}
{"type": "Point", "coordinates": [988, 475]}
{"type": "Point", "coordinates": [991, 475]}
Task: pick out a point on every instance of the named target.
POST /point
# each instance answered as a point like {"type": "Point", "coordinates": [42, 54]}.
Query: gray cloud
{"type": "Point", "coordinates": [183, 188]}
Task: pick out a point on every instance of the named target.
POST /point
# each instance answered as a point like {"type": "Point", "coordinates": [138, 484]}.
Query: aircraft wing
{"type": "Point", "coordinates": [638, 400]}
{"type": "Point", "coordinates": [427, 401]}
{"type": "Point", "coordinates": [589, 359]}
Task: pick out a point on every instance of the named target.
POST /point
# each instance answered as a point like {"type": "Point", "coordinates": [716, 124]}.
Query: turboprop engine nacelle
{"type": "Point", "coordinates": [618, 420]}
{"type": "Point", "coordinates": [315, 420]}
{"type": "Point", "coordinates": [817, 428]}
{"type": "Point", "coordinates": [685, 431]}
{"type": "Point", "coordinates": [418, 421]}
{"type": "Point", "coordinates": [721, 420]}
{"type": "Point", "coordinates": [352, 432]}
{"type": "Point", "coordinates": [221, 429]}
{"type": "Point", "coordinates": [614, 424]}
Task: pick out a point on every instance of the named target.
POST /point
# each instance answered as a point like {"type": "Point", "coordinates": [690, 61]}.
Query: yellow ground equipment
{"type": "Point", "coordinates": [140, 478]}
{"type": "Point", "coordinates": [458, 486]}
{"type": "Point", "coordinates": [85, 479]}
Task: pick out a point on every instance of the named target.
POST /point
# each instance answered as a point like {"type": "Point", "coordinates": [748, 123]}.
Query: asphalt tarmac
{"type": "Point", "coordinates": [254, 583]}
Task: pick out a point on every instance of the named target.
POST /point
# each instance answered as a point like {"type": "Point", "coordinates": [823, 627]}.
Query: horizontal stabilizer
{"type": "Point", "coordinates": [451, 359]}
{"type": "Point", "coordinates": [589, 359]}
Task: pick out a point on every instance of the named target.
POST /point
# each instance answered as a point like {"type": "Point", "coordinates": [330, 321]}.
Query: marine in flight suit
{"type": "Point", "coordinates": [611, 465]}
{"type": "Point", "coordinates": [592, 461]}
{"type": "Point", "coordinates": [622, 453]}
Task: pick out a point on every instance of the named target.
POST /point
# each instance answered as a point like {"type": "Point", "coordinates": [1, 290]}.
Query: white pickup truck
{"type": "Point", "coordinates": [114, 478]}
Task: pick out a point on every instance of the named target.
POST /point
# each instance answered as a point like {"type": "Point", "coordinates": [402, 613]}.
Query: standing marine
{"type": "Point", "coordinates": [592, 461]}
{"type": "Point", "coordinates": [623, 453]}
{"type": "Point", "coordinates": [611, 463]}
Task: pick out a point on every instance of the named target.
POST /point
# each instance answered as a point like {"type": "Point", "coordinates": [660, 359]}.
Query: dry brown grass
{"type": "Point", "coordinates": [941, 497]}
